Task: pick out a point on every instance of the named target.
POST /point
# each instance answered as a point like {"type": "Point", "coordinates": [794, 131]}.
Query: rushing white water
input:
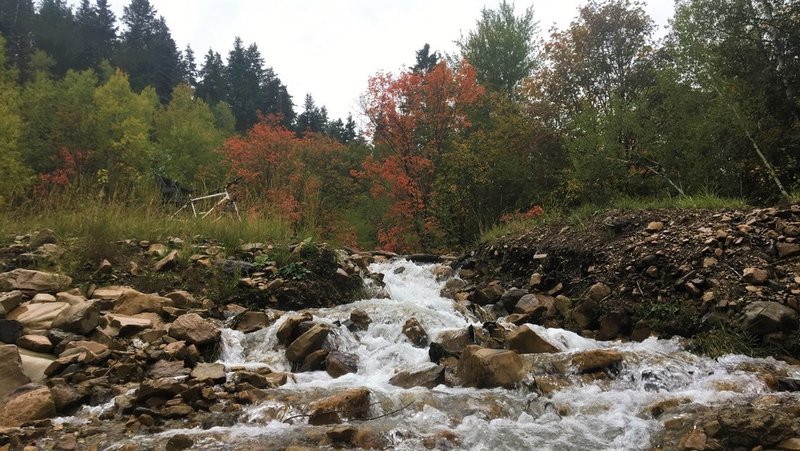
{"type": "Point", "coordinates": [608, 413]}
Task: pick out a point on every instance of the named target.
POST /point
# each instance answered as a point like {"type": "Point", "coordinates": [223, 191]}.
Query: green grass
{"type": "Point", "coordinates": [95, 224]}
{"type": "Point", "coordinates": [580, 215]}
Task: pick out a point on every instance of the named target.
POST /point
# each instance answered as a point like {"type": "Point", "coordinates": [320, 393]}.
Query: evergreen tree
{"type": "Point", "coordinates": [98, 33]}
{"type": "Point", "coordinates": [426, 60]}
{"type": "Point", "coordinates": [312, 119]}
{"type": "Point", "coordinates": [212, 86]}
{"type": "Point", "coordinates": [189, 67]}
{"type": "Point", "coordinates": [16, 26]}
{"type": "Point", "coordinates": [276, 99]}
{"type": "Point", "coordinates": [245, 82]}
{"type": "Point", "coordinates": [148, 53]}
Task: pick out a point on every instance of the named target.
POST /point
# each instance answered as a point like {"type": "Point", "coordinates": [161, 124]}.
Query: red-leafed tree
{"type": "Point", "coordinates": [414, 116]}
{"type": "Point", "coordinates": [266, 159]}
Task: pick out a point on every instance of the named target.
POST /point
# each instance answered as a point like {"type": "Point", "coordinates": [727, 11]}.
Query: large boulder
{"type": "Point", "coordinates": [307, 343]}
{"type": "Point", "coordinates": [488, 368]}
{"type": "Point", "coordinates": [31, 281]}
{"type": "Point", "coordinates": [37, 317]}
{"type": "Point", "coordinates": [11, 372]}
{"type": "Point", "coordinates": [761, 318]}
{"type": "Point", "coordinates": [193, 329]}
{"type": "Point", "coordinates": [523, 340]}
{"type": "Point", "coordinates": [28, 403]}
{"type": "Point", "coordinates": [79, 318]}
{"type": "Point", "coordinates": [352, 403]}
{"type": "Point", "coordinates": [286, 331]}
{"type": "Point", "coordinates": [132, 302]}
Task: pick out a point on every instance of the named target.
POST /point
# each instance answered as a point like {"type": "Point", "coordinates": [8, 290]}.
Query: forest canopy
{"type": "Point", "coordinates": [518, 121]}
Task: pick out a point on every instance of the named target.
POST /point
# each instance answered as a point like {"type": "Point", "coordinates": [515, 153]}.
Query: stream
{"type": "Point", "coordinates": [603, 413]}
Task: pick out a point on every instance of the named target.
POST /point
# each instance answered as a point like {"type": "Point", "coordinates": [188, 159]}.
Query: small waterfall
{"type": "Point", "coordinates": [603, 413]}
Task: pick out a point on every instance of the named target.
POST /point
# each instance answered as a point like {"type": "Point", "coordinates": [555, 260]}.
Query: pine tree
{"type": "Point", "coordinates": [57, 33]}
{"type": "Point", "coordinates": [212, 86]}
{"type": "Point", "coordinates": [189, 67]}
{"type": "Point", "coordinates": [426, 60]}
{"type": "Point", "coordinates": [148, 53]}
{"type": "Point", "coordinates": [98, 33]}
{"type": "Point", "coordinates": [16, 26]}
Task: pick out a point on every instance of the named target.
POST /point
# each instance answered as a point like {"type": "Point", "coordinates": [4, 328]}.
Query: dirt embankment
{"type": "Point", "coordinates": [630, 274]}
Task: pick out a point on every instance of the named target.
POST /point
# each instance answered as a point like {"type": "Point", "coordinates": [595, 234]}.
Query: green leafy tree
{"type": "Point", "coordinates": [746, 55]}
{"type": "Point", "coordinates": [187, 137]}
{"type": "Point", "coordinates": [15, 177]}
{"type": "Point", "coordinates": [502, 48]}
{"type": "Point", "coordinates": [124, 151]}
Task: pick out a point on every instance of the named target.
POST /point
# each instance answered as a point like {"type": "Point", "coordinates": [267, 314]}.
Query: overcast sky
{"type": "Point", "coordinates": [330, 48]}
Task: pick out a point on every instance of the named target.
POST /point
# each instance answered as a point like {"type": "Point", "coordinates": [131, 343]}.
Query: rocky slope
{"type": "Point", "coordinates": [633, 274]}
{"type": "Point", "coordinates": [139, 331]}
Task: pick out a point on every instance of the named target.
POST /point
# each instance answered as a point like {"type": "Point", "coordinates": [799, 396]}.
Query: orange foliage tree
{"type": "Point", "coordinates": [414, 116]}
{"type": "Point", "coordinates": [299, 178]}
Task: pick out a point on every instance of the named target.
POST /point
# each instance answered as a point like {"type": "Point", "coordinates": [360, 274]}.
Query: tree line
{"type": "Point", "coordinates": [517, 121]}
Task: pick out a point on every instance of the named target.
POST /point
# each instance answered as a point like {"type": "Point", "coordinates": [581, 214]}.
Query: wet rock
{"type": "Point", "coordinates": [164, 388]}
{"type": "Point", "coordinates": [442, 272]}
{"type": "Point", "coordinates": [132, 302]}
{"type": "Point", "coordinates": [79, 318]}
{"type": "Point", "coordinates": [454, 342]}
{"type": "Point", "coordinates": [10, 331]}
{"type": "Point", "coordinates": [286, 332]}
{"type": "Point", "coordinates": [250, 378]}
{"type": "Point", "coordinates": [428, 378]}
{"type": "Point", "coordinates": [35, 343]}
{"type": "Point", "coordinates": [749, 426]}
{"type": "Point", "coordinates": [251, 321]}
{"type": "Point", "coordinates": [179, 442]}
{"type": "Point", "coordinates": [761, 318]}
{"type": "Point", "coordinates": [755, 276]}
{"type": "Point", "coordinates": [487, 368]}
{"type": "Point", "coordinates": [11, 371]}
{"type": "Point", "coordinates": [314, 361]}
{"type": "Point", "coordinates": [179, 410]}
{"type": "Point", "coordinates": [352, 403]}
{"type": "Point", "coordinates": [209, 372]}
{"type": "Point", "coordinates": [193, 329]}
{"type": "Point", "coordinates": [66, 397]}
{"type": "Point", "coordinates": [359, 320]}
{"type": "Point", "coordinates": [338, 363]}
{"type": "Point", "coordinates": [695, 439]}
{"type": "Point", "coordinates": [415, 333]}
{"type": "Point", "coordinates": [27, 403]}
{"type": "Point", "coordinates": [9, 301]}
{"type": "Point", "coordinates": [31, 281]}
{"type": "Point", "coordinates": [596, 359]}
{"type": "Point", "coordinates": [523, 340]}
{"type": "Point", "coordinates": [307, 343]}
